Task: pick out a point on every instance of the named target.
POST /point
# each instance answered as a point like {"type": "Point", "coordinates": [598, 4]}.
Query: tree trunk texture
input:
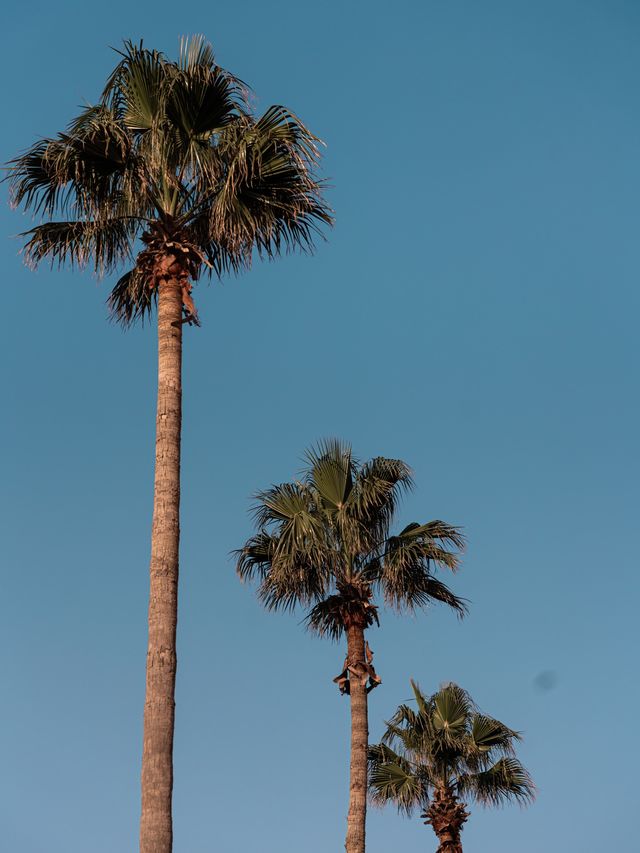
{"type": "Point", "coordinates": [447, 816]}
{"type": "Point", "coordinates": [356, 820]}
{"type": "Point", "coordinates": [156, 831]}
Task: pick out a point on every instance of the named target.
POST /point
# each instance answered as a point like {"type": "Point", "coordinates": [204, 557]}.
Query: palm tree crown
{"type": "Point", "coordinates": [444, 751]}
{"type": "Point", "coordinates": [325, 541]}
{"type": "Point", "coordinates": [171, 154]}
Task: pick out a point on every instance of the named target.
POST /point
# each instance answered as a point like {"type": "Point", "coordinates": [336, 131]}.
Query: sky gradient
{"type": "Point", "coordinates": [473, 312]}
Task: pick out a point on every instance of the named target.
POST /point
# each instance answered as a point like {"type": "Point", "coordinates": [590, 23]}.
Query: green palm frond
{"type": "Point", "coordinates": [103, 243]}
{"type": "Point", "coordinates": [452, 707]}
{"type": "Point", "coordinates": [87, 171]}
{"type": "Point", "coordinates": [406, 577]}
{"type": "Point", "coordinates": [424, 703]}
{"type": "Point", "coordinates": [411, 730]}
{"type": "Point", "coordinates": [202, 100]}
{"type": "Point", "coordinates": [330, 474]}
{"type": "Point", "coordinates": [254, 560]}
{"type": "Point", "coordinates": [490, 735]}
{"type": "Point", "coordinates": [394, 779]}
{"type": "Point", "coordinates": [136, 87]}
{"type": "Point", "coordinates": [293, 582]}
{"type": "Point", "coordinates": [284, 503]}
{"type": "Point", "coordinates": [289, 553]}
{"type": "Point", "coordinates": [219, 260]}
{"type": "Point", "coordinates": [132, 298]}
{"type": "Point", "coordinates": [428, 541]}
{"type": "Point", "coordinates": [374, 499]}
{"type": "Point", "coordinates": [506, 780]}
{"type": "Point", "coordinates": [269, 197]}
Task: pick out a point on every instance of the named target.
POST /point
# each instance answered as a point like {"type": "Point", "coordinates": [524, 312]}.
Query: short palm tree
{"type": "Point", "coordinates": [324, 542]}
{"type": "Point", "coordinates": [440, 755]}
{"type": "Point", "coordinates": [171, 173]}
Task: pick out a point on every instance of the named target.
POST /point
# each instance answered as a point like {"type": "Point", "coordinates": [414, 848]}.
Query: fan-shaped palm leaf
{"type": "Point", "coordinates": [506, 780]}
{"type": "Point", "coordinates": [393, 778]}
{"type": "Point", "coordinates": [490, 735]}
{"type": "Point", "coordinates": [452, 706]}
{"type": "Point", "coordinates": [330, 473]}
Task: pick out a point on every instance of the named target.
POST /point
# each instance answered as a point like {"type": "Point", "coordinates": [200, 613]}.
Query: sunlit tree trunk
{"type": "Point", "coordinates": [356, 820]}
{"type": "Point", "coordinates": [447, 816]}
{"type": "Point", "coordinates": [156, 832]}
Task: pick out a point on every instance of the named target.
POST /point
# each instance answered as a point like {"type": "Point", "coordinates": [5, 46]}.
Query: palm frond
{"type": "Point", "coordinates": [294, 583]}
{"type": "Point", "coordinates": [330, 616]}
{"type": "Point", "coordinates": [287, 576]}
{"type": "Point", "coordinates": [489, 735]}
{"type": "Point", "coordinates": [330, 473]}
{"type": "Point", "coordinates": [425, 705]}
{"type": "Point", "coordinates": [284, 502]}
{"type": "Point", "coordinates": [326, 618]}
{"type": "Point", "coordinates": [378, 487]}
{"type": "Point", "coordinates": [405, 574]}
{"type": "Point", "coordinates": [506, 780]}
{"type": "Point", "coordinates": [452, 707]}
{"type": "Point", "coordinates": [102, 243]}
{"type": "Point", "coordinates": [86, 171]}
{"type": "Point", "coordinates": [410, 729]}
{"type": "Point", "coordinates": [195, 52]}
{"type": "Point", "coordinates": [432, 535]}
{"type": "Point", "coordinates": [132, 298]}
{"type": "Point", "coordinates": [203, 98]}
{"type": "Point", "coordinates": [136, 87]}
{"type": "Point", "coordinates": [254, 560]}
{"type": "Point", "coordinates": [219, 261]}
{"type": "Point", "coordinates": [392, 778]}
{"type": "Point", "coordinates": [269, 197]}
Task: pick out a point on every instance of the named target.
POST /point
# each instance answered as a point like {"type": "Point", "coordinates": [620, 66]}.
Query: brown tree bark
{"type": "Point", "coordinates": [356, 820]}
{"type": "Point", "coordinates": [447, 817]}
{"type": "Point", "coordinates": [156, 832]}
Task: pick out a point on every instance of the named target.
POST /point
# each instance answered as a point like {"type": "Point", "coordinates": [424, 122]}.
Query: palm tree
{"type": "Point", "coordinates": [172, 156]}
{"type": "Point", "coordinates": [324, 542]}
{"type": "Point", "coordinates": [442, 754]}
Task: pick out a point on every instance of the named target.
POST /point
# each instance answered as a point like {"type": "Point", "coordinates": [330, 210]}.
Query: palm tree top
{"type": "Point", "coordinates": [173, 156]}
{"type": "Point", "coordinates": [324, 540]}
{"type": "Point", "coordinates": [446, 743]}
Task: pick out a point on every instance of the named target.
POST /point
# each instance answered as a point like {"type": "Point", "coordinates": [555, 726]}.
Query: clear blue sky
{"type": "Point", "coordinates": [474, 312]}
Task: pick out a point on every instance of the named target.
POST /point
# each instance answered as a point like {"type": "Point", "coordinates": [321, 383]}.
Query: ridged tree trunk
{"type": "Point", "coordinates": [447, 816]}
{"type": "Point", "coordinates": [356, 820]}
{"type": "Point", "coordinates": [156, 832]}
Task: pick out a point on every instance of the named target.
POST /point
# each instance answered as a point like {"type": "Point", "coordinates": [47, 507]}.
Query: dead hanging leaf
{"type": "Point", "coordinates": [368, 653]}
{"type": "Point", "coordinates": [342, 680]}
{"type": "Point", "coordinates": [361, 670]}
{"type": "Point", "coordinates": [189, 305]}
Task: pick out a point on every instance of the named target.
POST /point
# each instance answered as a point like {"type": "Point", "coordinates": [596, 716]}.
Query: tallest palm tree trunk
{"type": "Point", "coordinates": [156, 832]}
{"type": "Point", "coordinates": [356, 819]}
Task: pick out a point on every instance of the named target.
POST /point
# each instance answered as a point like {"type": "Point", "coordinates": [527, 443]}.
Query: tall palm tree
{"type": "Point", "coordinates": [324, 542]}
{"type": "Point", "coordinates": [171, 172]}
{"type": "Point", "coordinates": [439, 756]}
